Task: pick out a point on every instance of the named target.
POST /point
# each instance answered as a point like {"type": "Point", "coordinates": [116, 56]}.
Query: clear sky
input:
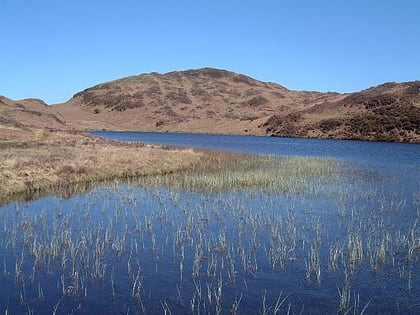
{"type": "Point", "coordinates": [51, 49]}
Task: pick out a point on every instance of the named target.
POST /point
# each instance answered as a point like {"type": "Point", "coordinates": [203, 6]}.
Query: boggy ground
{"type": "Point", "coordinates": [54, 160]}
{"type": "Point", "coordinates": [64, 162]}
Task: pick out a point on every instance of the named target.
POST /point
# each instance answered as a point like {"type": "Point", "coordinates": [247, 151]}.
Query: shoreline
{"type": "Point", "coordinates": [250, 135]}
{"type": "Point", "coordinates": [63, 158]}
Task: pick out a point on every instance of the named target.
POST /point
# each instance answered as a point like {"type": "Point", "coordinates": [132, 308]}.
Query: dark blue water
{"type": "Point", "coordinates": [137, 237]}
{"type": "Point", "coordinates": [400, 161]}
{"type": "Point", "coordinates": [380, 153]}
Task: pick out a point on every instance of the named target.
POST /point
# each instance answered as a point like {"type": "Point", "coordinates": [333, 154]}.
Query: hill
{"type": "Point", "coordinates": [218, 101]}
{"type": "Point", "coordinates": [388, 112]}
{"type": "Point", "coordinates": [204, 100]}
{"type": "Point", "coordinates": [26, 119]}
{"type": "Point", "coordinates": [40, 154]}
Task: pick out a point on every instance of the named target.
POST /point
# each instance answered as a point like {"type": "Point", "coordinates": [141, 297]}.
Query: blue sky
{"type": "Point", "coordinates": [51, 49]}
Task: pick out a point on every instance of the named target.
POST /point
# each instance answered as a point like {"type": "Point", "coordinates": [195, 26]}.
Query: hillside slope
{"type": "Point", "coordinates": [388, 112]}
{"type": "Point", "coordinates": [25, 119]}
{"type": "Point", "coordinates": [218, 101]}
{"type": "Point", "coordinates": [205, 101]}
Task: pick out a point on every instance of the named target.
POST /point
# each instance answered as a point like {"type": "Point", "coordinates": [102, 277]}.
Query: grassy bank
{"type": "Point", "coordinates": [57, 160]}
{"type": "Point", "coordinates": [65, 162]}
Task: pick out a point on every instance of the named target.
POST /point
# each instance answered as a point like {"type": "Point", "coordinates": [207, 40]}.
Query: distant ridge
{"type": "Point", "coordinates": [211, 100]}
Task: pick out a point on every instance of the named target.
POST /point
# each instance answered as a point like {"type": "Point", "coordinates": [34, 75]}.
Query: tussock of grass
{"type": "Point", "coordinates": [71, 158]}
{"type": "Point", "coordinates": [67, 162]}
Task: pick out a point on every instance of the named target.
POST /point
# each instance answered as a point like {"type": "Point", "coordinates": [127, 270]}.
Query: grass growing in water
{"type": "Point", "coordinates": [68, 162]}
{"type": "Point", "coordinates": [230, 172]}
{"type": "Point", "coordinates": [261, 231]}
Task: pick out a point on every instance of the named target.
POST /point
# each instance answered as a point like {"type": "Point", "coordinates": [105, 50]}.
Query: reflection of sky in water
{"type": "Point", "coordinates": [372, 203]}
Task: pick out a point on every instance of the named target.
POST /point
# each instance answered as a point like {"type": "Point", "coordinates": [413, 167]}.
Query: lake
{"type": "Point", "coordinates": [341, 240]}
{"type": "Point", "coordinates": [401, 161]}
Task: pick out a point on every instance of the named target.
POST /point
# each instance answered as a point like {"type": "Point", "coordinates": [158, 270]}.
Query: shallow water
{"type": "Point", "coordinates": [397, 159]}
{"type": "Point", "coordinates": [138, 249]}
{"type": "Point", "coordinates": [360, 151]}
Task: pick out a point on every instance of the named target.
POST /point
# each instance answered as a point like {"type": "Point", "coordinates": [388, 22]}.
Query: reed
{"type": "Point", "coordinates": [345, 299]}
{"type": "Point", "coordinates": [217, 243]}
{"type": "Point", "coordinates": [280, 301]}
{"type": "Point", "coordinates": [165, 308]}
{"type": "Point", "coordinates": [235, 305]}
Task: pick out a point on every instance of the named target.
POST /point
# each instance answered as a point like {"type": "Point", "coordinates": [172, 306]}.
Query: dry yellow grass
{"type": "Point", "coordinates": [62, 159]}
{"type": "Point", "coordinates": [65, 162]}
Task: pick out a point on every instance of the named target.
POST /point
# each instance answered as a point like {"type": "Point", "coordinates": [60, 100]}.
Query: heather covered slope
{"type": "Point", "coordinates": [204, 101]}
{"type": "Point", "coordinates": [388, 112]}
{"type": "Point", "coordinates": [218, 101]}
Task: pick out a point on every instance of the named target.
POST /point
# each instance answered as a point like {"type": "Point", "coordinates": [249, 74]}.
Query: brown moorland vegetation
{"type": "Point", "coordinates": [218, 101]}
{"type": "Point", "coordinates": [25, 119]}
{"type": "Point", "coordinates": [63, 161]}
{"type": "Point", "coordinates": [36, 160]}
{"type": "Point", "coordinates": [42, 149]}
{"type": "Point", "coordinates": [40, 154]}
{"type": "Point", "coordinates": [196, 101]}
{"type": "Point", "coordinates": [389, 112]}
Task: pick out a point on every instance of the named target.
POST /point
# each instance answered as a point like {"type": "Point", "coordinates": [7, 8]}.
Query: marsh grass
{"type": "Point", "coordinates": [222, 171]}
{"type": "Point", "coordinates": [64, 162]}
{"type": "Point", "coordinates": [195, 231]}
{"type": "Point", "coordinates": [214, 253]}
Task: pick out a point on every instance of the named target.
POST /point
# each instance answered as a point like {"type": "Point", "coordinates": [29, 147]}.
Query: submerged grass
{"type": "Point", "coordinates": [198, 253]}
{"type": "Point", "coordinates": [262, 231]}
{"type": "Point", "coordinates": [230, 172]}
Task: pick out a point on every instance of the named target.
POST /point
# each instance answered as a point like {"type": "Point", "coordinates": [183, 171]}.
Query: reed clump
{"type": "Point", "coordinates": [223, 171]}
{"type": "Point", "coordinates": [187, 251]}
{"type": "Point", "coordinates": [203, 232]}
